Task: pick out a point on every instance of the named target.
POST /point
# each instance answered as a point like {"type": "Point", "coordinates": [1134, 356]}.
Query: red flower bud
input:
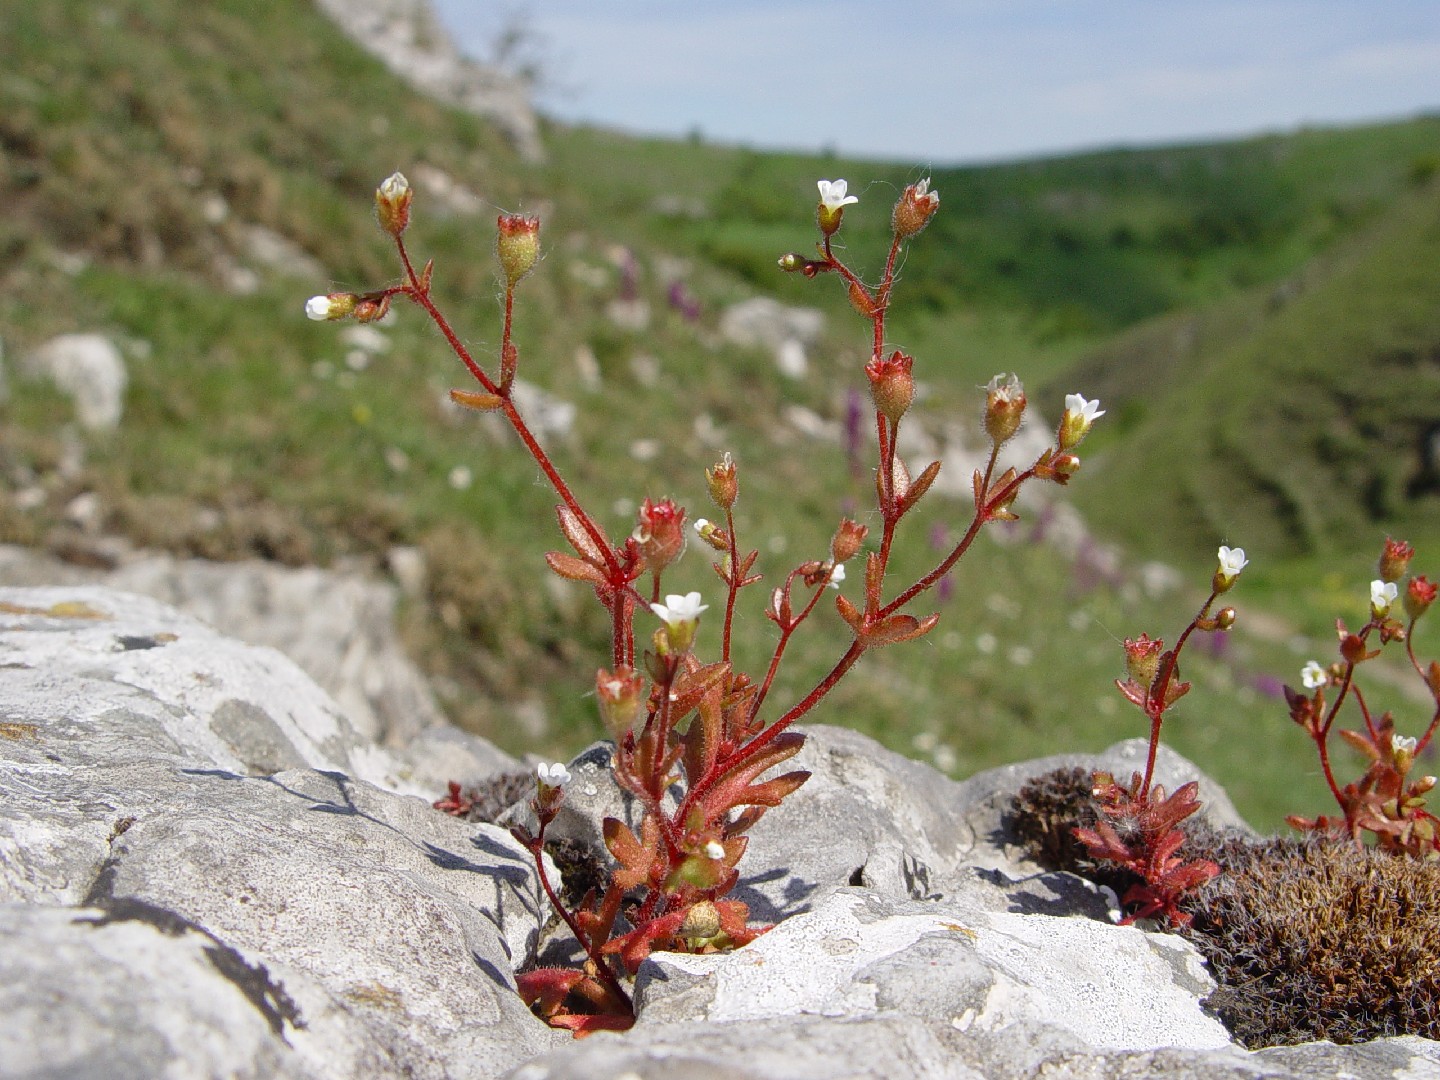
{"type": "Point", "coordinates": [1419, 595]}
{"type": "Point", "coordinates": [892, 386]}
{"type": "Point", "coordinates": [392, 204]}
{"type": "Point", "coordinates": [660, 532]}
{"type": "Point", "coordinates": [723, 482]}
{"type": "Point", "coordinates": [1395, 559]}
{"type": "Point", "coordinates": [518, 245]}
{"type": "Point", "coordinates": [1004, 406]}
{"type": "Point", "coordinates": [845, 545]}
{"type": "Point", "coordinates": [1142, 658]}
{"type": "Point", "coordinates": [621, 695]}
{"type": "Point", "coordinates": [913, 212]}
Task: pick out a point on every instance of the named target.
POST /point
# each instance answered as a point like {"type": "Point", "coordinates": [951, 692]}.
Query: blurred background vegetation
{"type": "Point", "coordinates": [1260, 318]}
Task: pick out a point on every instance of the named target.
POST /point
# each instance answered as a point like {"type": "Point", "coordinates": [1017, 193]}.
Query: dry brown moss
{"type": "Point", "coordinates": [1321, 940]}
{"type": "Point", "coordinates": [1307, 939]}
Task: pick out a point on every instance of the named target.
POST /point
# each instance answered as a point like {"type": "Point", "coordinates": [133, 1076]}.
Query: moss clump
{"type": "Point", "coordinates": [1321, 940]}
{"type": "Point", "coordinates": [1307, 939]}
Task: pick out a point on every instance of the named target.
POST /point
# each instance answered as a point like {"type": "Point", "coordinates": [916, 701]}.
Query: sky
{"type": "Point", "coordinates": [971, 80]}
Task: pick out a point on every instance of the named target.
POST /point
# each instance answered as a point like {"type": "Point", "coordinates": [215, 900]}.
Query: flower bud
{"type": "Point", "coordinates": [845, 544]}
{"type": "Point", "coordinates": [1352, 649]}
{"type": "Point", "coordinates": [702, 922]}
{"type": "Point", "coordinates": [518, 245]}
{"type": "Point", "coordinates": [1225, 618]}
{"type": "Point", "coordinates": [791, 262]}
{"type": "Point", "coordinates": [1063, 467]}
{"type": "Point", "coordinates": [621, 695]}
{"type": "Point", "coordinates": [723, 483]}
{"type": "Point", "coordinates": [392, 204]}
{"type": "Point", "coordinates": [660, 532]}
{"type": "Point", "coordinates": [1419, 595]}
{"type": "Point", "coordinates": [331, 306]}
{"type": "Point", "coordinates": [712, 534]}
{"type": "Point", "coordinates": [1395, 559]}
{"type": "Point", "coordinates": [1142, 659]}
{"type": "Point", "coordinates": [1004, 406]}
{"type": "Point", "coordinates": [913, 212]}
{"type": "Point", "coordinates": [372, 308]}
{"type": "Point", "coordinates": [892, 386]}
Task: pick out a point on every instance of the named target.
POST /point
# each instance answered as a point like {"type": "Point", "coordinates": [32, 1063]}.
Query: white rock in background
{"type": "Point", "coordinates": [90, 370]}
{"type": "Point", "coordinates": [409, 39]}
{"type": "Point", "coordinates": [764, 323]}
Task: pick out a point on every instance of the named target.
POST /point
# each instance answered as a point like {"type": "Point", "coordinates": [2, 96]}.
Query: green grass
{"type": "Point", "coordinates": [247, 434]}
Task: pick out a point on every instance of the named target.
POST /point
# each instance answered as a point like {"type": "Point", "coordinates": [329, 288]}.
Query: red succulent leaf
{"type": "Point", "coordinates": [583, 1024]}
{"type": "Point", "coordinates": [573, 568]}
{"type": "Point", "coordinates": [635, 946]}
{"type": "Point", "coordinates": [546, 988]}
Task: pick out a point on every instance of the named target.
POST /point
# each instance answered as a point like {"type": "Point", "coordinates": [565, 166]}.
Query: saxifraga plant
{"type": "Point", "coordinates": [1384, 802]}
{"type": "Point", "coordinates": [1325, 937]}
{"type": "Point", "coordinates": [695, 741]}
{"type": "Point", "coordinates": [1138, 827]}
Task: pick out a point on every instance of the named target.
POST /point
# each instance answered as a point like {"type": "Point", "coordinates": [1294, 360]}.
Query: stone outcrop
{"type": "Point", "coordinates": [206, 870]}
{"type": "Point", "coordinates": [409, 39]}
{"type": "Point", "coordinates": [337, 625]}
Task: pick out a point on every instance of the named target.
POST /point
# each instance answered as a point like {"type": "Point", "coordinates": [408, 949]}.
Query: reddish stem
{"type": "Point", "coordinates": [602, 968]}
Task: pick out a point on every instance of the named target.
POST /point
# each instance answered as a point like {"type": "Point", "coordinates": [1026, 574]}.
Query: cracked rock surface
{"type": "Point", "coordinates": [206, 871]}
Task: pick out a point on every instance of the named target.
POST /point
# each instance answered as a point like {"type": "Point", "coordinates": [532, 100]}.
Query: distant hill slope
{"type": "Point", "coordinates": [1305, 418]}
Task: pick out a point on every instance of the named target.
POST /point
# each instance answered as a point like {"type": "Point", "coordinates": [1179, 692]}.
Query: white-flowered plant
{"type": "Point", "coordinates": [833, 194]}
{"type": "Point", "coordinates": [680, 611]}
{"type": "Point", "coordinates": [1382, 595]}
{"type": "Point", "coordinates": [554, 775]}
{"type": "Point", "coordinates": [1232, 561]}
{"type": "Point", "coordinates": [1313, 676]}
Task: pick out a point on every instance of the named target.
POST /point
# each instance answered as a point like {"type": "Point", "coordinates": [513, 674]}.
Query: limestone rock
{"type": "Point", "coordinates": [409, 39]}
{"type": "Point", "coordinates": [205, 870]}
{"type": "Point", "coordinates": [195, 878]}
{"type": "Point", "coordinates": [337, 625]}
{"type": "Point", "coordinates": [764, 323]}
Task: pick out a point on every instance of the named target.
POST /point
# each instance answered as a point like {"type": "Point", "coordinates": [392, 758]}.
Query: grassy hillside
{"type": "Point", "coordinates": [143, 145]}
{"type": "Point", "coordinates": [1299, 421]}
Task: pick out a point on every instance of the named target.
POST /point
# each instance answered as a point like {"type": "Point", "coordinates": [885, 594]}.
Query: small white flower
{"type": "Point", "coordinates": [1313, 675]}
{"type": "Point", "coordinates": [553, 775]}
{"type": "Point", "coordinates": [1402, 744]}
{"type": "Point", "coordinates": [1087, 411]}
{"type": "Point", "coordinates": [1382, 595]}
{"type": "Point", "coordinates": [716, 850]}
{"type": "Point", "coordinates": [680, 610]}
{"type": "Point", "coordinates": [832, 194]}
{"type": "Point", "coordinates": [394, 186]}
{"type": "Point", "coordinates": [1232, 561]}
{"type": "Point", "coordinates": [837, 575]}
{"type": "Point", "coordinates": [318, 308]}
{"type": "Point", "coordinates": [701, 524]}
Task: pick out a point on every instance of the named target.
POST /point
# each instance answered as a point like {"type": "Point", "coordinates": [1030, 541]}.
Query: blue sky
{"type": "Point", "coordinates": [974, 80]}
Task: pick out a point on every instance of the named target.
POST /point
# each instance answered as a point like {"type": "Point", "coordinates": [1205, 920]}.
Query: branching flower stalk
{"type": "Point", "coordinates": [693, 747]}
{"type": "Point", "coordinates": [1384, 801]}
{"type": "Point", "coordinates": [1139, 827]}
